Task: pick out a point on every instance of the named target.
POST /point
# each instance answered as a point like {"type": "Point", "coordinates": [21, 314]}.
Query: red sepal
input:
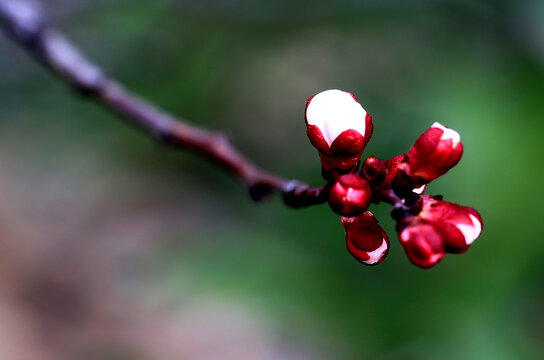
{"type": "Point", "coordinates": [369, 129]}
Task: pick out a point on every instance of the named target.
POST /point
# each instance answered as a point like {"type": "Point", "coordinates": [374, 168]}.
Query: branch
{"type": "Point", "coordinates": [23, 22]}
{"type": "Point", "coordinates": [403, 207]}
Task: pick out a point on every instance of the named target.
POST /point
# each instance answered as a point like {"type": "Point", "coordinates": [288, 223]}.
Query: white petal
{"type": "Point", "coordinates": [420, 189]}
{"type": "Point", "coordinates": [376, 255]}
{"type": "Point", "coordinates": [471, 233]}
{"type": "Point", "coordinates": [404, 235]}
{"type": "Point", "coordinates": [335, 111]}
{"type": "Point", "coordinates": [435, 257]}
{"type": "Point", "coordinates": [448, 134]}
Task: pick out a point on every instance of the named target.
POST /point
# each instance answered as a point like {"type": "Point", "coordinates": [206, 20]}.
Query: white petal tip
{"type": "Point", "coordinates": [404, 235]}
{"type": "Point", "coordinates": [448, 134]}
{"type": "Point", "coordinates": [420, 189]}
{"type": "Point", "coordinates": [335, 111]}
{"type": "Point", "coordinates": [376, 255]}
{"type": "Point", "coordinates": [471, 232]}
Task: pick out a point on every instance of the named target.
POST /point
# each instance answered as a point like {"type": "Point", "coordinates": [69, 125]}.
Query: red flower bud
{"type": "Point", "coordinates": [435, 152]}
{"type": "Point", "coordinates": [365, 239]}
{"type": "Point", "coordinates": [350, 195]}
{"type": "Point", "coordinates": [393, 179]}
{"type": "Point", "coordinates": [339, 128]}
{"type": "Point", "coordinates": [374, 170]}
{"type": "Point", "coordinates": [423, 244]}
{"type": "Point", "coordinates": [458, 225]}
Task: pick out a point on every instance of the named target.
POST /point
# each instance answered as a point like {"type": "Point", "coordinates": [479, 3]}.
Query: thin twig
{"type": "Point", "coordinates": [403, 207]}
{"type": "Point", "coordinates": [23, 22]}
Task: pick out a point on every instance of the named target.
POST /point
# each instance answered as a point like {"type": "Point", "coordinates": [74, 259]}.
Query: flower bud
{"type": "Point", "coordinates": [374, 170]}
{"type": "Point", "coordinates": [458, 225]}
{"type": "Point", "coordinates": [386, 175]}
{"type": "Point", "coordinates": [350, 195]}
{"type": "Point", "coordinates": [422, 244]}
{"type": "Point", "coordinates": [366, 241]}
{"type": "Point", "coordinates": [390, 169]}
{"type": "Point", "coordinates": [339, 128]}
{"type": "Point", "coordinates": [435, 152]}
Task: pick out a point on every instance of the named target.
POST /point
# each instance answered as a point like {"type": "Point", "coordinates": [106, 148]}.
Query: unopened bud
{"type": "Point", "coordinates": [422, 244]}
{"type": "Point", "coordinates": [391, 169]}
{"type": "Point", "coordinates": [374, 170]}
{"type": "Point", "coordinates": [366, 241]}
{"type": "Point", "coordinates": [339, 128]}
{"type": "Point", "coordinates": [458, 225]}
{"type": "Point", "coordinates": [435, 152]}
{"type": "Point", "coordinates": [350, 195]}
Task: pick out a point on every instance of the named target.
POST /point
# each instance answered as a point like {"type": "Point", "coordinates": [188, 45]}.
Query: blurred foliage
{"type": "Point", "coordinates": [247, 67]}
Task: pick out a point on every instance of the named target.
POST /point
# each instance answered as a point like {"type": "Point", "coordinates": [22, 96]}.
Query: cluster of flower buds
{"type": "Point", "coordinates": [428, 227]}
{"type": "Point", "coordinates": [440, 227]}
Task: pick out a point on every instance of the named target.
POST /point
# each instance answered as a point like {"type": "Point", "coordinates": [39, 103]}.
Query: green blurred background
{"type": "Point", "coordinates": [115, 247]}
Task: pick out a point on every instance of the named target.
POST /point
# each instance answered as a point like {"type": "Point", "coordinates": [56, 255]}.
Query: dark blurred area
{"type": "Point", "coordinates": [114, 247]}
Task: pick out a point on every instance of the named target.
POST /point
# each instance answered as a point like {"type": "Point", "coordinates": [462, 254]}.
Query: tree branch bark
{"type": "Point", "coordinates": [23, 22]}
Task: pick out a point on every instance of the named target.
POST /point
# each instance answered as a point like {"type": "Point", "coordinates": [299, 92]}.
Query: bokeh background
{"type": "Point", "coordinates": [115, 247]}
